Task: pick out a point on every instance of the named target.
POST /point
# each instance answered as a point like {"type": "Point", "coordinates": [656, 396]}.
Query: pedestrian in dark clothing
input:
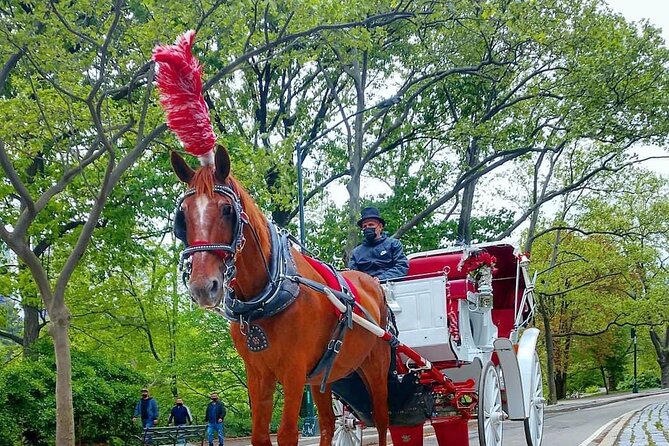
{"type": "Point", "coordinates": [180, 414]}
{"type": "Point", "coordinates": [214, 416]}
{"type": "Point", "coordinates": [378, 255]}
{"type": "Point", "coordinates": [147, 409]}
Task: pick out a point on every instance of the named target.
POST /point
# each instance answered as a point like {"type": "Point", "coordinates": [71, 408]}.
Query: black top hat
{"type": "Point", "coordinates": [370, 212]}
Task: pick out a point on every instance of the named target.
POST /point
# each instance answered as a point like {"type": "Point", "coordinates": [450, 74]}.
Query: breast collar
{"type": "Point", "coordinates": [278, 293]}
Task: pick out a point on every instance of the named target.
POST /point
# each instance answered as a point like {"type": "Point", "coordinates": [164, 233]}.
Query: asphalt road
{"type": "Point", "coordinates": [566, 428]}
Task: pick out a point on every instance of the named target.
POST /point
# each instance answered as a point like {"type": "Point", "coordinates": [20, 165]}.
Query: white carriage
{"type": "Point", "coordinates": [463, 316]}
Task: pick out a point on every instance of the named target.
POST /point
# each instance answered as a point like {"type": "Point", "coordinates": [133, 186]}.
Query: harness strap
{"type": "Point", "coordinates": [278, 293]}
{"type": "Point", "coordinates": [327, 360]}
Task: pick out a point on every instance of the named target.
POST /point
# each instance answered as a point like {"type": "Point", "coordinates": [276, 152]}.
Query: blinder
{"type": "Point", "coordinates": [180, 225]}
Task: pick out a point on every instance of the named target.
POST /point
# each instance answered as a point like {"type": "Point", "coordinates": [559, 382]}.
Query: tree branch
{"type": "Point", "coordinates": [13, 176]}
{"type": "Point", "coordinates": [11, 337]}
{"type": "Point", "coordinates": [370, 22]}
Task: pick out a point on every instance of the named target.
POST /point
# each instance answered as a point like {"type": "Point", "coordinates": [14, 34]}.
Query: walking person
{"type": "Point", "coordinates": [180, 415]}
{"type": "Point", "coordinates": [214, 416]}
{"type": "Point", "coordinates": [147, 410]}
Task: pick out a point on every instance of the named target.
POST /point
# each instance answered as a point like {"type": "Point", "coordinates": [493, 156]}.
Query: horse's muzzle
{"type": "Point", "coordinates": [207, 293]}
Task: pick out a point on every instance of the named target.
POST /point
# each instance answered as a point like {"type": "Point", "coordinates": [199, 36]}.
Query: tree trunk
{"type": "Point", "coordinates": [561, 385]}
{"type": "Point", "coordinates": [664, 380]}
{"type": "Point", "coordinates": [58, 329]}
{"type": "Point", "coordinates": [550, 359]}
{"type": "Point", "coordinates": [31, 329]}
{"type": "Point", "coordinates": [359, 74]}
{"type": "Point", "coordinates": [352, 238]}
{"type": "Point", "coordinates": [662, 352]}
{"type": "Point", "coordinates": [613, 381]}
{"type": "Point", "coordinates": [604, 379]}
{"type": "Point", "coordinates": [464, 223]}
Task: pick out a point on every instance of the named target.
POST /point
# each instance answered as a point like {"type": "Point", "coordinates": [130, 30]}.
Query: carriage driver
{"type": "Point", "coordinates": [378, 255]}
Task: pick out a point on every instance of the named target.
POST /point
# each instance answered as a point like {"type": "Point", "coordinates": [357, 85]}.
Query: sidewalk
{"type": "Point", "coordinates": [648, 426]}
{"type": "Point", "coordinates": [371, 437]}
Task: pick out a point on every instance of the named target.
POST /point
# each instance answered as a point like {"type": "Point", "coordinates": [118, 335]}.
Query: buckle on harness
{"type": "Point", "coordinates": [334, 345]}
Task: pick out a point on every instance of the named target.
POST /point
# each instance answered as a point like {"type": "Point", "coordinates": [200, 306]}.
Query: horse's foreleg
{"type": "Point", "coordinates": [293, 387]}
{"type": "Point", "coordinates": [375, 372]}
{"type": "Point", "coordinates": [326, 416]}
{"type": "Point", "coordinates": [261, 392]}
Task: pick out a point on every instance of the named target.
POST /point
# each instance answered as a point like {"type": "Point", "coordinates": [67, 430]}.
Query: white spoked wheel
{"type": "Point", "coordinates": [348, 429]}
{"type": "Point", "coordinates": [534, 423]}
{"type": "Point", "coordinates": [490, 412]}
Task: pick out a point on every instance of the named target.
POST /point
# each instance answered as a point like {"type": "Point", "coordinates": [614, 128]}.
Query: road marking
{"type": "Point", "coordinates": [592, 437]}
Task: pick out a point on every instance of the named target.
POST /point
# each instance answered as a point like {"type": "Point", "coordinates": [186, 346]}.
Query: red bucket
{"type": "Point", "coordinates": [407, 435]}
{"type": "Point", "coordinates": [451, 431]}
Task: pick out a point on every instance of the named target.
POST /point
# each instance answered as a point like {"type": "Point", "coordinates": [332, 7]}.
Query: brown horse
{"type": "Point", "coordinates": [227, 234]}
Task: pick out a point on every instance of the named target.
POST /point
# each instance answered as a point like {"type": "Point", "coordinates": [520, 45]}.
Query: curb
{"type": "Point", "coordinates": [600, 401]}
{"type": "Point", "coordinates": [611, 436]}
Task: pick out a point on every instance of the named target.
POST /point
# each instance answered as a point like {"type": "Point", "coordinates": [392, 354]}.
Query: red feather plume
{"type": "Point", "coordinates": [179, 80]}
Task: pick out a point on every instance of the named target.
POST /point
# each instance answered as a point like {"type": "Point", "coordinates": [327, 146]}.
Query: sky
{"type": "Point", "coordinates": [657, 13]}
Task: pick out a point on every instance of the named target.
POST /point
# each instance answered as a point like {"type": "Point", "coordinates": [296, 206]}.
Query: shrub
{"type": "Point", "coordinates": [103, 394]}
{"type": "Point", "coordinates": [647, 379]}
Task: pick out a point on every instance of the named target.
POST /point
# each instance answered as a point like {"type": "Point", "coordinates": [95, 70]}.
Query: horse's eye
{"type": "Point", "coordinates": [227, 210]}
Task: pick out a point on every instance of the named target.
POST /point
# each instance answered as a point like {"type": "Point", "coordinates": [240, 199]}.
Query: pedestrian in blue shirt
{"type": "Point", "coordinates": [378, 255]}
{"type": "Point", "coordinates": [147, 410]}
{"type": "Point", "coordinates": [214, 418]}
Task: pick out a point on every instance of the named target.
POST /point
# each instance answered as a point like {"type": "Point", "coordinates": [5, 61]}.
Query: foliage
{"type": "Point", "coordinates": [646, 379]}
{"type": "Point", "coordinates": [103, 394]}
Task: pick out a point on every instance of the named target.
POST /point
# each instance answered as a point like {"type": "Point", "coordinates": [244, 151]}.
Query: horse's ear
{"type": "Point", "coordinates": [222, 160]}
{"type": "Point", "coordinates": [181, 168]}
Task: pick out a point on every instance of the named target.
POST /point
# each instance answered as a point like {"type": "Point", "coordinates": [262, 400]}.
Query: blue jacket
{"type": "Point", "coordinates": [152, 409]}
{"type": "Point", "coordinates": [214, 412]}
{"type": "Point", "coordinates": [383, 258]}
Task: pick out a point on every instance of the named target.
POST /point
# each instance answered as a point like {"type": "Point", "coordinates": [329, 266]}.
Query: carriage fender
{"type": "Point", "coordinates": [526, 357]}
{"type": "Point", "coordinates": [516, 371]}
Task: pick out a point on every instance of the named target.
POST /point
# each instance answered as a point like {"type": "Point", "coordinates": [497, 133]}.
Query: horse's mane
{"type": "Point", "coordinates": [203, 182]}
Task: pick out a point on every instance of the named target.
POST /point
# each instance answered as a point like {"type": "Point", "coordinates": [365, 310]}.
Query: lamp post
{"type": "Point", "coordinates": [635, 387]}
{"type": "Point", "coordinates": [309, 424]}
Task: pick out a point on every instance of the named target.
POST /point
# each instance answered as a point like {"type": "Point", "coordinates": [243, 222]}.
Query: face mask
{"type": "Point", "coordinates": [180, 404]}
{"type": "Point", "coordinates": [370, 234]}
{"type": "Point", "coordinates": [214, 399]}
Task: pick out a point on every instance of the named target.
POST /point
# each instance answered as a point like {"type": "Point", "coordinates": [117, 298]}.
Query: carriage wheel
{"type": "Point", "coordinates": [490, 412]}
{"type": "Point", "coordinates": [348, 429]}
{"type": "Point", "coordinates": [534, 423]}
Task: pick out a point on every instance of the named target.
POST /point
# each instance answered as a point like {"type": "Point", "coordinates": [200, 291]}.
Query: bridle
{"type": "Point", "coordinates": [280, 271]}
{"type": "Point", "coordinates": [227, 252]}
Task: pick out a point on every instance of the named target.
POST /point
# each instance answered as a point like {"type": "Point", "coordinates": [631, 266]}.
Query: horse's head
{"type": "Point", "coordinates": [209, 220]}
